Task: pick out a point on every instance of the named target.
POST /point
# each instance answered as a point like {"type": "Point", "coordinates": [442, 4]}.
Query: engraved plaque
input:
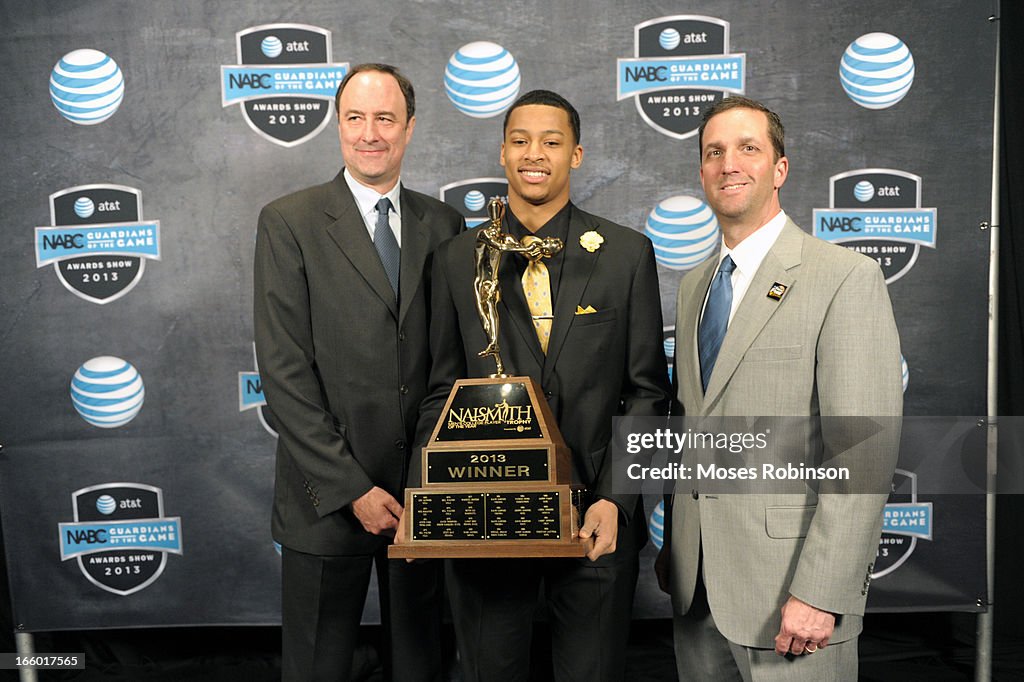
{"type": "Point", "coordinates": [448, 516]}
{"type": "Point", "coordinates": [521, 515]}
{"type": "Point", "coordinates": [514, 515]}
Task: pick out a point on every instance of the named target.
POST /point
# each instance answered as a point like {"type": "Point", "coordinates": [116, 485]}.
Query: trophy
{"type": "Point", "coordinates": [496, 471]}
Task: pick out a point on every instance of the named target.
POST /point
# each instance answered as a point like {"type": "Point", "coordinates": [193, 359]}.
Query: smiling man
{"type": "Point", "coordinates": [596, 351]}
{"type": "Point", "coordinates": [773, 586]}
{"type": "Point", "coordinates": [341, 286]}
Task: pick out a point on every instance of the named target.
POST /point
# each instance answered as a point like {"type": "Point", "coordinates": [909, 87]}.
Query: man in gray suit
{"type": "Point", "coordinates": [773, 586]}
{"type": "Point", "coordinates": [341, 320]}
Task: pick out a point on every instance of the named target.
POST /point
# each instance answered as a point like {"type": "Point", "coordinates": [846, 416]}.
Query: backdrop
{"type": "Point", "coordinates": [142, 140]}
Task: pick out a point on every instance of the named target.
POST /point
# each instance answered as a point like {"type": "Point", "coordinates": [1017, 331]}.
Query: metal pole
{"type": "Point", "coordinates": [26, 645]}
{"type": "Point", "coordinates": [983, 644]}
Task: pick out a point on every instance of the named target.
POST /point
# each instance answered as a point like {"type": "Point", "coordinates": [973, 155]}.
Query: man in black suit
{"type": "Point", "coordinates": [597, 353]}
{"type": "Point", "coordinates": [341, 290]}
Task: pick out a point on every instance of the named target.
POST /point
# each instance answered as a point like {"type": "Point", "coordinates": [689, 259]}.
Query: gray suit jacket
{"type": "Point", "coordinates": [828, 348]}
{"type": "Point", "coordinates": [343, 366]}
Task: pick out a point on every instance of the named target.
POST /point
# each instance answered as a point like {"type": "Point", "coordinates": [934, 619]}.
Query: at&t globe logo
{"type": "Point", "coordinates": [474, 200]}
{"type": "Point", "coordinates": [669, 39]}
{"type": "Point", "coordinates": [86, 86]}
{"type": "Point", "coordinates": [105, 504]}
{"type": "Point", "coordinates": [668, 335]}
{"type": "Point", "coordinates": [107, 392]}
{"type": "Point", "coordinates": [684, 232]}
{"type": "Point", "coordinates": [864, 191]}
{"type": "Point", "coordinates": [271, 47]}
{"type": "Point", "coordinates": [84, 207]}
{"type": "Point", "coordinates": [470, 197]}
{"type": "Point", "coordinates": [482, 79]}
{"type": "Point", "coordinates": [656, 525]}
{"type": "Point", "coordinates": [877, 70]}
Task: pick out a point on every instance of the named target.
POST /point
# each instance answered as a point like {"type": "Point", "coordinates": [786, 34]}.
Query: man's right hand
{"type": "Point", "coordinates": [378, 511]}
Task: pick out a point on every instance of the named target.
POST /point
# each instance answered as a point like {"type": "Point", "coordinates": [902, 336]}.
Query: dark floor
{"type": "Point", "coordinates": [906, 647]}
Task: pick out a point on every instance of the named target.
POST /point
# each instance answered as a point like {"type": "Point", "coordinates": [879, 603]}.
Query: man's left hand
{"type": "Point", "coordinates": [600, 529]}
{"type": "Point", "coordinates": [804, 630]}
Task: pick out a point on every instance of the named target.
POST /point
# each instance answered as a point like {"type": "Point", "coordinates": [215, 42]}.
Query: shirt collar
{"type": "Point", "coordinates": [749, 253]}
{"type": "Point", "coordinates": [558, 226]}
{"type": "Point", "coordinates": [367, 197]}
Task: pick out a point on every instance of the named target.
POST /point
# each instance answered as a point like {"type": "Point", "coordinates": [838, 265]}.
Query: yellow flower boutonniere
{"type": "Point", "coordinates": [591, 241]}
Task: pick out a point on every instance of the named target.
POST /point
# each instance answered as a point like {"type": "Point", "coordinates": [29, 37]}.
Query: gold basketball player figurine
{"type": "Point", "coordinates": [491, 242]}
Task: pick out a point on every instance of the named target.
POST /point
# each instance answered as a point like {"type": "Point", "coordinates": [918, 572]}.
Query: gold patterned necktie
{"type": "Point", "coordinates": [537, 287]}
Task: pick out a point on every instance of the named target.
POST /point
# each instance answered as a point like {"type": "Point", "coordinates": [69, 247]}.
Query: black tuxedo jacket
{"type": "Point", "coordinates": [599, 364]}
{"type": "Point", "coordinates": [343, 366]}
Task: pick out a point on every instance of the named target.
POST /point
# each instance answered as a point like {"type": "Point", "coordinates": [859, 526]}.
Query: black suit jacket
{"type": "Point", "coordinates": [606, 363]}
{"type": "Point", "coordinates": [343, 366]}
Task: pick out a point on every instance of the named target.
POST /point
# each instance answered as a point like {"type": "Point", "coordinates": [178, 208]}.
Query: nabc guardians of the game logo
{"type": "Point", "coordinates": [120, 536]}
{"type": "Point", "coordinates": [284, 81]}
{"type": "Point", "coordinates": [904, 522]}
{"type": "Point", "coordinates": [250, 396]}
{"type": "Point", "coordinates": [877, 212]}
{"type": "Point", "coordinates": [470, 197]}
{"type": "Point", "coordinates": [681, 67]}
{"type": "Point", "coordinates": [98, 243]}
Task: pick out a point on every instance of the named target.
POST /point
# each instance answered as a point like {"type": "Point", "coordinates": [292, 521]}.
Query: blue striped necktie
{"type": "Point", "coordinates": [715, 321]}
{"type": "Point", "coordinates": [387, 245]}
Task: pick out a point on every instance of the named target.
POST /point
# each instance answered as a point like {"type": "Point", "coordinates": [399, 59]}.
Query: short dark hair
{"type": "Point", "coordinates": [775, 130]}
{"type": "Point", "coordinates": [404, 83]}
{"type": "Point", "coordinates": [548, 99]}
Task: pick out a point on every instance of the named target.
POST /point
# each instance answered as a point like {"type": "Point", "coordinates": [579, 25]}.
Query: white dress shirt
{"type": "Point", "coordinates": [748, 256]}
{"type": "Point", "coordinates": [366, 200]}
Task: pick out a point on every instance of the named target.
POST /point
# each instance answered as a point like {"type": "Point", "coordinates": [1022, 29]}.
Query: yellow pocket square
{"type": "Point", "coordinates": [585, 311]}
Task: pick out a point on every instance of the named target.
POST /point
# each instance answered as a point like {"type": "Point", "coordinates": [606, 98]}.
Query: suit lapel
{"type": "Point", "coordinates": [414, 251]}
{"type": "Point", "coordinates": [756, 308]}
{"type": "Point", "coordinates": [577, 267]}
{"type": "Point", "coordinates": [349, 232]}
